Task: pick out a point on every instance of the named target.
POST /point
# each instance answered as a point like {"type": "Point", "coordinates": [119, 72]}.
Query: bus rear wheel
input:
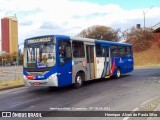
{"type": "Point", "coordinates": [118, 73]}
{"type": "Point", "coordinates": [78, 81]}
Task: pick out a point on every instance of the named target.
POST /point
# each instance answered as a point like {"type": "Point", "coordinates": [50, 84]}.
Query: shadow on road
{"type": "Point", "coordinates": [58, 90]}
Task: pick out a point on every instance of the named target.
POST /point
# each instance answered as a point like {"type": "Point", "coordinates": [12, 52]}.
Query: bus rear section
{"type": "Point", "coordinates": [113, 59]}
{"type": "Point", "coordinates": [122, 60]}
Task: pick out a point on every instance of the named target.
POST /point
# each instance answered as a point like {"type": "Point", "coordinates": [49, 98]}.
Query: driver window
{"type": "Point", "coordinates": [64, 51]}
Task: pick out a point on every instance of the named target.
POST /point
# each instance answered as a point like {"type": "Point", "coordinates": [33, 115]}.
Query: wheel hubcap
{"type": "Point", "coordinates": [79, 80]}
{"type": "Point", "coordinates": [118, 73]}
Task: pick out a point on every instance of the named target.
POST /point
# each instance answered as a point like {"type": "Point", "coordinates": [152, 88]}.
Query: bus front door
{"type": "Point", "coordinates": [90, 61]}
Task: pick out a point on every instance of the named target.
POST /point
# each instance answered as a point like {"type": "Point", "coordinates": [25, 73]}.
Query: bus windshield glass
{"type": "Point", "coordinates": [40, 55]}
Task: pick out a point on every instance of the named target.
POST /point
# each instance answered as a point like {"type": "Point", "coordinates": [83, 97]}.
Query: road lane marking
{"type": "Point", "coordinates": [147, 101]}
{"type": "Point", "coordinates": [17, 91]}
{"type": "Point", "coordinates": [135, 109]}
{"type": "Point", "coordinates": [10, 90]}
{"type": "Point", "coordinates": [24, 102]}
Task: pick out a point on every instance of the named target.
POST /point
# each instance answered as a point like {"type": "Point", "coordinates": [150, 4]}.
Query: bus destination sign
{"type": "Point", "coordinates": [39, 40]}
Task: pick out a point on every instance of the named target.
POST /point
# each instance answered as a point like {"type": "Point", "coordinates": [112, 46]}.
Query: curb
{"type": "Point", "coordinates": [146, 67]}
{"type": "Point", "coordinates": [7, 88]}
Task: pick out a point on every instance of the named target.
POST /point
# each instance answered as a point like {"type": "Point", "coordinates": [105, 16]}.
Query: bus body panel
{"type": "Point", "coordinates": [48, 78]}
{"type": "Point", "coordinates": [78, 67]}
{"type": "Point", "coordinates": [64, 72]}
{"type": "Point", "coordinates": [81, 64]}
{"type": "Point", "coordinates": [99, 66]}
{"type": "Point", "coordinates": [122, 65]}
{"type": "Point", "coordinates": [78, 64]}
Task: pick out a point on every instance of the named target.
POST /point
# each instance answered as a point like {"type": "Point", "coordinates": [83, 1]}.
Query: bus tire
{"type": "Point", "coordinates": [78, 81]}
{"type": "Point", "coordinates": [118, 73]}
{"type": "Point", "coordinates": [52, 88]}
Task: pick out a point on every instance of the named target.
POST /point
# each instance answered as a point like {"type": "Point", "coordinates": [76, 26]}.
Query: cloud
{"type": "Point", "coordinates": [49, 25]}
{"type": "Point", "coordinates": [26, 23]}
{"type": "Point", "coordinates": [40, 17]}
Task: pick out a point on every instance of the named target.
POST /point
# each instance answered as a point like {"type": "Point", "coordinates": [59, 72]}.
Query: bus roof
{"type": "Point", "coordinates": [39, 37]}
{"type": "Point", "coordinates": [112, 43]}
{"type": "Point", "coordinates": [100, 41]}
{"type": "Point", "coordinates": [83, 39]}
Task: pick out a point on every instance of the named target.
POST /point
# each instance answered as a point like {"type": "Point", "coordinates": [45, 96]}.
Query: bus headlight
{"type": "Point", "coordinates": [52, 76]}
{"type": "Point", "coordinates": [72, 62]}
{"type": "Point", "coordinates": [24, 77]}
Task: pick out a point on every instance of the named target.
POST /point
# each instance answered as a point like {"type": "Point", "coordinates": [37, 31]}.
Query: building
{"type": "Point", "coordinates": [156, 32]}
{"type": "Point", "coordinates": [9, 30]}
{"type": "Point", "coordinates": [156, 27]}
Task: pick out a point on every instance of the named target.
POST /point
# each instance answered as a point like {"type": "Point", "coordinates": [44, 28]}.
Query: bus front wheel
{"type": "Point", "coordinates": [118, 73]}
{"type": "Point", "coordinates": [78, 80]}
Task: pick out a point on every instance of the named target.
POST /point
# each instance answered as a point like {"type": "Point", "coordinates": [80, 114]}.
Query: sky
{"type": "Point", "coordinates": [69, 17]}
{"type": "Point", "coordinates": [126, 4]}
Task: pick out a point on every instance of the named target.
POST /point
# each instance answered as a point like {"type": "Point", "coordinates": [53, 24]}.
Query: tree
{"type": "Point", "coordinates": [21, 59]}
{"type": "Point", "coordinates": [10, 59]}
{"type": "Point", "coordinates": [139, 38]}
{"type": "Point", "coordinates": [14, 55]}
{"type": "Point", "coordinates": [100, 32]}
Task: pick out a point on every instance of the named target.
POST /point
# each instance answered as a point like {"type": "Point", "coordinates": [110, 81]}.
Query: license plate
{"type": "Point", "coordinates": [36, 83]}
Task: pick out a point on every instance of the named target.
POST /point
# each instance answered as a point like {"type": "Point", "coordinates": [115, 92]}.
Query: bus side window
{"type": "Point", "coordinates": [98, 50]}
{"type": "Point", "coordinates": [122, 51]}
{"type": "Point", "coordinates": [128, 51]}
{"type": "Point", "coordinates": [105, 52]}
{"type": "Point", "coordinates": [64, 51]}
{"type": "Point", "coordinates": [114, 51]}
{"type": "Point", "coordinates": [78, 49]}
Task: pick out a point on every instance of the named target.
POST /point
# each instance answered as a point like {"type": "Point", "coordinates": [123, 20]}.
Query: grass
{"type": "Point", "coordinates": [7, 84]}
{"type": "Point", "coordinates": [150, 57]}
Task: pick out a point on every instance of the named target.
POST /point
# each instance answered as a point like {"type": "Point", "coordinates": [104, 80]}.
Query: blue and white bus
{"type": "Point", "coordinates": [58, 60]}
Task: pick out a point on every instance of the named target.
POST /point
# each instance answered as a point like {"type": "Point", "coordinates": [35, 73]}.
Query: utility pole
{"type": "Point", "coordinates": [144, 16]}
{"type": "Point", "coordinates": [144, 19]}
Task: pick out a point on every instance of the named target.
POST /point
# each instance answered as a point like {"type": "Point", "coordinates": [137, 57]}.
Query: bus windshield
{"type": "Point", "coordinates": [39, 55]}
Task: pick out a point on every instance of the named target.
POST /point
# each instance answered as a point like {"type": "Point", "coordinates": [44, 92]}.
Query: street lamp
{"type": "Point", "coordinates": [144, 14]}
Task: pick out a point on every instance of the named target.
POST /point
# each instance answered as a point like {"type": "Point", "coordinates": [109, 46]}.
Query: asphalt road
{"type": "Point", "coordinates": [124, 94]}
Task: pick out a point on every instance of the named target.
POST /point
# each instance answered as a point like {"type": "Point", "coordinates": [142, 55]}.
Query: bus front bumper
{"type": "Point", "coordinates": [50, 81]}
